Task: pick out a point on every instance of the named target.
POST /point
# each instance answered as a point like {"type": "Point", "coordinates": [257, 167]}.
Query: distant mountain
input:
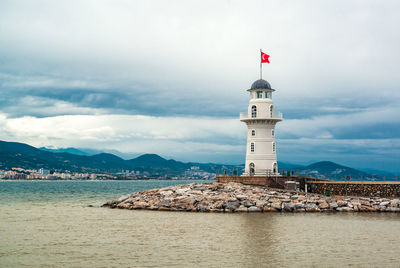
{"type": "Point", "coordinates": [143, 161]}
{"type": "Point", "coordinates": [89, 151]}
{"type": "Point", "coordinates": [332, 170]}
{"type": "Point", "coordinates": [13, 154]}
{"type": "Point", "coordinates": [66, 150]}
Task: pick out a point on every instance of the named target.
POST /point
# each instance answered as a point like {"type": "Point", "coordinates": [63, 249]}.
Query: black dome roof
{"type": "Point", "coordinates": [260, 84]}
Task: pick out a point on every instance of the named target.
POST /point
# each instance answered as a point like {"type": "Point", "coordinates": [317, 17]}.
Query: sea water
{"type": "Point", "coordinates": [62, 224]}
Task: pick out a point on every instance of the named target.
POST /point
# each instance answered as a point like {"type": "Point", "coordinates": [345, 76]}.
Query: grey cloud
{"type": "Point", "coordinates": [333, 64]}
{"type": "Point", "coordinates": [118, 98]}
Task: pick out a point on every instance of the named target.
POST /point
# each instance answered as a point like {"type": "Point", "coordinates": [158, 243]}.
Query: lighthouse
{"type": "Point", "coordinates": [261, 119]}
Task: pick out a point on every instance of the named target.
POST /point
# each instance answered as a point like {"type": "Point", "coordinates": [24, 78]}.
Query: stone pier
{"type": "Point", "coordinates": [355, 188]}
{"type": "Point", "coordinates": [237, 197]}
{"type": "Point", "coordinates": [321, 186]}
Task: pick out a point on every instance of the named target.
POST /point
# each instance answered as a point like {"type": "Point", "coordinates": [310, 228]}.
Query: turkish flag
{"type": "Point", "coordinates": [264, 57]}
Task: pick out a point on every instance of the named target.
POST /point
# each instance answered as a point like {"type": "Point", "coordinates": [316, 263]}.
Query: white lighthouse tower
{"type": "Point", "coordinates": [260, 120]}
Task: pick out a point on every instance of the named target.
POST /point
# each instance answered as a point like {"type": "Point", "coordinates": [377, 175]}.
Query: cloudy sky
{"type": "Point", "coordinates": [170, 77]}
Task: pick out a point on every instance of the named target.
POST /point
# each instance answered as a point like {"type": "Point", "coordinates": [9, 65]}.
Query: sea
{"type": "Point", "coordinates": [62, 224]}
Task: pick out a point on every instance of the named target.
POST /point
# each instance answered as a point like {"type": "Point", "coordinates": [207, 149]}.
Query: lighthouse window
{"type": "Point", "coordinates": [253, 132]}
{"type": "Point", "coordinates": [259, 95]}
{"type": "Point", "coordinates": [253, 111]}
{"type": "Point", "coordinates": [273, 147]}
{"type": "Point", "coordinates": [252, 147]}
{"type": "Point", "coordinates": [271, 110]}
{"type": "Point", "coordinates": [267, 95]}
{"type": "Point", "coordinates": [273, 132]}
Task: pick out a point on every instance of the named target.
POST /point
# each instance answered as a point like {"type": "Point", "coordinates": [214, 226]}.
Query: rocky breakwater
{"type": "Point", "coordinates": [235, 197]}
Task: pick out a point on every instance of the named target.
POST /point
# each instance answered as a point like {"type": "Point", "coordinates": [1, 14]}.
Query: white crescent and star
{"type": "Point", "coordinates": [263, 56]}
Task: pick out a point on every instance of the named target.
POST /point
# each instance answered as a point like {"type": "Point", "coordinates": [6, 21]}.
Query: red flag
{"type": "Point", "coordinates": [264, 57]}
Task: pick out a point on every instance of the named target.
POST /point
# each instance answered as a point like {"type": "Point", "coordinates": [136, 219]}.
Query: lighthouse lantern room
{"type": "Point", "coordinates": [260, 120]}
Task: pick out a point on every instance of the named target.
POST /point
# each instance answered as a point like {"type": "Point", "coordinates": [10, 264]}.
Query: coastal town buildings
{"type": "Point", "coordinates": [194, 173]}
{"type": "Point", "coordinates": [261, 119]}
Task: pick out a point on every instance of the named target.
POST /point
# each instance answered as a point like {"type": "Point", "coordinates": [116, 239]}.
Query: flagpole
{"type": "Point", "coordinates": [260, 65]}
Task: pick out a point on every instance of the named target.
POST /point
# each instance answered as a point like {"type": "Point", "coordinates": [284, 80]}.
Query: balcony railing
{"type": "Point", "coordinates": [268, 116]}
{"type": "Point", "coordinates": [262, 172]}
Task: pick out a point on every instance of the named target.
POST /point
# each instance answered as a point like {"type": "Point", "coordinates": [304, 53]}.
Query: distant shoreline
{"type": "Point", "coordinates": [152, 179]}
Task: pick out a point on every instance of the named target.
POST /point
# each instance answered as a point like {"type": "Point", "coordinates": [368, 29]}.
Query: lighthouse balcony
{"type": "Point", "coordinates": [274, 116]}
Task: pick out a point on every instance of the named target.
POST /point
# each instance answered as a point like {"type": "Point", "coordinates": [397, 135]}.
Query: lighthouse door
{"type": "Point", "coordinates": [275, 168]}
{"type": "Point", "coordinates": [251, 169]}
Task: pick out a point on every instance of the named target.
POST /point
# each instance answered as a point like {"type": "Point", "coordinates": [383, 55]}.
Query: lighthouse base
{"type": "Point", "coordinates": [278, 181]}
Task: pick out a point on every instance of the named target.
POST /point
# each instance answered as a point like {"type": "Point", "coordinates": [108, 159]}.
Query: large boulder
{"type": "Point", "coordinates": [241, 209]}
{"type": "Point", "coordinates": [248, 203]}
{"type": "Point", "coordinates": [312, 207]}
{"type": "Point", "coordinates": [289, 207]}
{"type": "Point", "coordinates": [344, 209]}
{"type": "Point", "coordinates": [232, 204]}
{"type": "Point", "coordinates": [277, 205]}
{"type": "Point", "coordinates": [254, 209]}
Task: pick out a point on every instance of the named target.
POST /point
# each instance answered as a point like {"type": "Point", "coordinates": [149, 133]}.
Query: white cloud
{"type": "Point", "coordinates": [131, 134]}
